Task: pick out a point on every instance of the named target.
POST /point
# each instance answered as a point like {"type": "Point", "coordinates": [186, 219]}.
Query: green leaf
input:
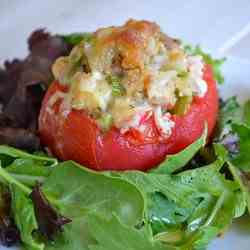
{"type": "Point", "coordinates": [203, 238]}
{"type": "Point", "coordinates": [167, 185]}
{"type": "Point", "coordinates": [242, 159]}
{"type": "Point", "coordinates": [177, 161]}
{"type": "Point", "coordinates": [9, 180]}
{"type": "Point", "coordinates": [246, 113]}
{"type": "Point", "coordinates": [113, 235]}
{"type": "Point", "coordinates": [166, 216]}
{"type": "Point", "coordinates": [207, 179]}
{"type": "Point", "coordinates": [215, 63]}
{"type": "Point", "coordinates": [24, 216]}
{"type": "Point", "coordinates": [78, 191]}
{"type": "Point", "coordinates": [243, 196]}
{"type": "Point", "coordinates": [230, 112]}
{"type": "Point", "coordinates": [24, 167]}
{"type": "Point", "coordinates": [75, 236]}
{"type": "Point", "coordinates": [190, 207]}
{"type": "Point", "coordinates": [28, 171]}
{"type": "Point", "coordinates": [16, 153]}
{"type": "Point", "coordinates": [76, 38]}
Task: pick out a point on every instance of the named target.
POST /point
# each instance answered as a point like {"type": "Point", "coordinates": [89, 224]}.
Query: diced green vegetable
{"type": "Point", "coordinates": [115, 82]}
{"type": "Point", "coordinates": [105, 121]}
{"type": "Point", "coordinates": [182, 106]}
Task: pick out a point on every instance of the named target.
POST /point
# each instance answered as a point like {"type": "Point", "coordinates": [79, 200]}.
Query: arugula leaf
{"type": "Point", "coordinates": [215, 63]}
{"type": "Point", "coordinates": [179, 160]}
{"type": "Point", "coordinates": [24, 216]}
{"type": "Point", "coordinates": [76, 38]}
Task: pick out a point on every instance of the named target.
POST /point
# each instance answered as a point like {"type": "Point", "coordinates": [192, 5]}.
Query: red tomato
{"type": "Point", "coordinates": [76, 136]}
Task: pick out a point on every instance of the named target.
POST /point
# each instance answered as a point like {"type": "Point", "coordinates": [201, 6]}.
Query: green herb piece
{"type": "Point", "coordinates": [115, 82]}
{"type": "Point", "coordinates": [215, 63]}
{"type": "Point", "coordinates": [76, 38]}
{"type": "Point", "coordinates": [177, 161]}
{"type": "Point", "coordinates": [182, 106]}
{"type": "Point", "coordinates": [105, 121]}
{"type": "Point", "coordinates": [182, 74]}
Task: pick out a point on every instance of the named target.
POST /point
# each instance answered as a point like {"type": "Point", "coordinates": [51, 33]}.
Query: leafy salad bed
{"type": "Point", "coordinates": [182, 204]}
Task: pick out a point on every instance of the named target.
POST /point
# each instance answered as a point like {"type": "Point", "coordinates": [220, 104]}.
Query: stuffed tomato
{"type": "Point", "coordinates": [125, 98]}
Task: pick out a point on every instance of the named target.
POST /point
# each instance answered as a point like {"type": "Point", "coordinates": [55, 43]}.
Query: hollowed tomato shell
{"type": "Point", "coordinates": [76, 136]}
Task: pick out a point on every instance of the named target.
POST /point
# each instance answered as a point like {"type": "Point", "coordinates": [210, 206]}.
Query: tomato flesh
{"type": "Point", "coordinates": [77, 137]}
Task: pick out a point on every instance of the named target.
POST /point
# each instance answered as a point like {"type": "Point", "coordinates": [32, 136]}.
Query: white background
{"type": "Point", "coordinates": [222, 27]}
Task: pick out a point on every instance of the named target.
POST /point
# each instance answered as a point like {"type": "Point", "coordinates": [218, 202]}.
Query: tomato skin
{"type": "Point", "coordinates": [77, 137]}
